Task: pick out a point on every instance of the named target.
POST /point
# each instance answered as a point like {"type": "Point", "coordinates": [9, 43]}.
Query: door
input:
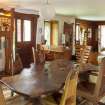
{"type": "Point", "coordinates": [25, 37]}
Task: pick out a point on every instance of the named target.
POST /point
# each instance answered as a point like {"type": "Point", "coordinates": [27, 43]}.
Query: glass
{"type": "Point", "coordinates": [18, 30]}
{"type": "Point", "coordinates": [47, 33]}
{"type": "Point", "coordinates": [89, 33]}
{"type": "Point", "coordinates": [27, 30]}
{"type": "Point", "coordinates": [103, 36]}
{"type": "Point", "coordinates": [77, 32]}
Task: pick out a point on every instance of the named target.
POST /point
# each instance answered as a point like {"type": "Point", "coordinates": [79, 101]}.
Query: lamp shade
{"type": "Point", "coordinates": [47, 12]}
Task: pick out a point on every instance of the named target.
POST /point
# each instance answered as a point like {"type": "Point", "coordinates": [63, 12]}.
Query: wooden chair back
{"type": "Point", "coordinates": [67, 54]}
{"type": "Point", "coordinates": [85, 54]}
{"type": "Point", "coordinates": [17, 65]}
{"type": "Point", "coordinates": [2, 99]}
{"type": "Point", "coordinates": [93, 57]}
{"type": "Point", "coordinates": [93, 92]}
{"type": "Point", "coordinates": [100, 84]}
{"type": "Point", "coordinates": [34, 55]}
{"type": "Point", "coordinates": [41, 55]}
{"type": "Point", "coordinates": [78, 51]}
{"type": "Point", "coordinates": [82, 53]}
{"type": "Point", "coordinates": [69, 95]}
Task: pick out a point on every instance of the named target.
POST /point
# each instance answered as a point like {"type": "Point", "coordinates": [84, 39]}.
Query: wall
{"type": "Point", "coordinates": [61, 19]}
{"type": "Point", "coordinates": [40, 30]}
{"type": "Point", "coordinates": [40, 26]}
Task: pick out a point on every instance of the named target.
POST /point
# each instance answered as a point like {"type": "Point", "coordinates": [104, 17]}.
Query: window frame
{"type": "Point", "coordinates": [22, 31]}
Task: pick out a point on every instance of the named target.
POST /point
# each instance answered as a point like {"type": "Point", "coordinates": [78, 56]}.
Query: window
{"type": "Point", "coordinates": [77, 32]}
{"type": "Point", "coordinates": [23, 30]}
{"type": "Point", "coordinates": [83, 35]}
{"type": "Point", "coordinates": [47, 33]}
{"type": "Point", "coordinates": [51, 33]}
{"type": "Point", "coordinates": [18, 30]}
{"type": "Point", "coordinates": [89, 33]}
{"type": "Point", "coordinates": [27, 30]}
{"type": "Point", "coordinates": [101, 36]}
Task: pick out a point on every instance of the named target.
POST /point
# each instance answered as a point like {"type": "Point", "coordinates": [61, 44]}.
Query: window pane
{"type": "Point", "coordinates": [18, 30]}
{"type": "Point", "coordinates": [77, 32]}
{"type": "Point", "coordinates": [47, 33]}
{"type": "Point", "coordinates": [103, 36]}
{"type": "Point", "coordinates": [27, 30]}
{"type": "Point", "coordinates": [89, 33]}
{"type": "Point", "coordinates": [99, 38]}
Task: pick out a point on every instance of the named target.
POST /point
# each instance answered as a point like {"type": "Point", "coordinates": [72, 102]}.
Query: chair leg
{"type": "Point", "coordinates": [12, 93]}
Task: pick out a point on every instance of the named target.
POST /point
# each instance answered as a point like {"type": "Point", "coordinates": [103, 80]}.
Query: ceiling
{"type": "Point", "coordinates": [84, 9]}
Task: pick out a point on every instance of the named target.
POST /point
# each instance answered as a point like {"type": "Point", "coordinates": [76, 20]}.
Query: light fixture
{"type": "Point", "coordinates": [4, 12]}
{"type": "Point", "coordinates": [47, 11]}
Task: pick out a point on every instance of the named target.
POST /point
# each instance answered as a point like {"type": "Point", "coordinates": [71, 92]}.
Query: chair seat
{"type": "Point", "coordinates": [86, 90]}
{"type": "Point", "coordinates": [86, 87]}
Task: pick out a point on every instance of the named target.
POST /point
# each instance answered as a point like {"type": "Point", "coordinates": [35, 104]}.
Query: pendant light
{"type": "Point", "coordinates": [47, 11]}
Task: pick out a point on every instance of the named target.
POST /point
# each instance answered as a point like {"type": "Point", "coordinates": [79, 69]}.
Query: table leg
{"type": "Point", "coordinates": [36, 101]}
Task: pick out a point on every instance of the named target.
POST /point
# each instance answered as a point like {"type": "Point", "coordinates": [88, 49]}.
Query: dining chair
{"type": "Point", "coordinates": [67, 54]}
{"type": "Point", "coordinates": [17, 65]}
{"type": "Point", "coordinates": [2, 99]}
{"type": "Point", "coordinates": [85, 54]}
{"type": "Point", "coordinates": [78, 51]}
{"type": "Point", "coordinates": [69, 93]}
{"type": "Point", "coordinates": [93, 57]}
{"type": "Point", "coordinates": [12, 101]}
{"type": "Point", "coordinates": [82, 53]}
{"type": "Point", "coordinates": [41, 55]}
{"type": "Point", "coordinates": [91, 91]}
{"type": "Point", "coordinates": [33, 55]}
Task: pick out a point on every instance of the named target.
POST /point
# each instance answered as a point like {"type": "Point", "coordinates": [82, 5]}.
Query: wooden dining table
{"type": "Point", "coordinates": [40, 79]}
